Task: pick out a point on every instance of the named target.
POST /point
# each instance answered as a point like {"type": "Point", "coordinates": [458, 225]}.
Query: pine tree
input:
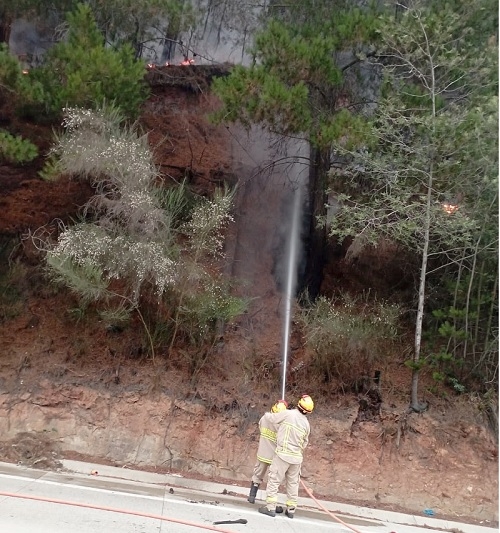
{"type": "Point", "coordinates": [83, 71]}
{"type": "Point", "coordinates": [297, 86]}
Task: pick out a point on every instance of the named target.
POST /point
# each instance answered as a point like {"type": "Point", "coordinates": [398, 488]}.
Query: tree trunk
{"type": "Point", "coordinates": [415, 404]}
{"type": "Point", "coordinates": [5, 27]}
{"type": "Point", "coordinates": [170, 41]}
{"type": "Point", "coordinates": [316, 235]}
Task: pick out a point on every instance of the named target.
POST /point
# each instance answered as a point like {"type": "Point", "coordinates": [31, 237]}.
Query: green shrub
{"type": "Point", "coordinates": [81, 71]}
{"type": "Point", "coordinates": [27, 92]}
{"type": "Point", "coordinates": [177, 201]}
{"type": "Point", "coordinates": [116, 316]}
{"type": "Point", "coordinates": [204, 306]}
{"type": "Point", "coordinates": [15, 149]}
{"type": "Point", "coordinates": [52, 169]}
{"type": "Point", "coordinates": [10, 69]}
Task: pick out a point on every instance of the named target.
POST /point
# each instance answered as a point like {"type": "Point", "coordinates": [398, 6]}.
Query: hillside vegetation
{"type": "Point", "coordinates": [139, 292]}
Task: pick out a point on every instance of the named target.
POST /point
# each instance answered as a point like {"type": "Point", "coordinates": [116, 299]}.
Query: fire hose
{"type": "Point", "coordinates": [310, 494]}
{"type": "Point", "coordinates": [166, 518]}
{"type": "Point", "coordinates": [115, 510]}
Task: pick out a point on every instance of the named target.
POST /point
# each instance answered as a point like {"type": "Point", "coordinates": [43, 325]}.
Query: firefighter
{"type": "Point", "coordinates": [291, 440]}
{"type": "Point", "coordinates": [267, 445]}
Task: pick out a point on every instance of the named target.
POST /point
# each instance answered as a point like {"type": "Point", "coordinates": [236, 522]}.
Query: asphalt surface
{"type": "Point", "coordinates": [85, 498]}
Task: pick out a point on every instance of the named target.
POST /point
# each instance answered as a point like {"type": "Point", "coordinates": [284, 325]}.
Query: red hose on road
{"type": "Point", "coordinates": [326, 510]}
{"type": "Point", "coordinates": [114, 510]}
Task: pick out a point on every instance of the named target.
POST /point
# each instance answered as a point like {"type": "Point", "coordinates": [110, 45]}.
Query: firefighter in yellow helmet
{"type": "Point", "coordinates": [267, 445]}
{"type": "Point", "coordinates": [291, 440]}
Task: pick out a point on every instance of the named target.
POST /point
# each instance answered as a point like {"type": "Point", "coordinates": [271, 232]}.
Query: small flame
{"type": "Point", "coordinates": [25, 71]}
{"type": "Point", "coordinates": [450, 208]}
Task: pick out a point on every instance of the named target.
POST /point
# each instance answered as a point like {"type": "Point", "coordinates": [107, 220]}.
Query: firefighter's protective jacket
{"type": "Point", "coordinates": [267, 441]}
{"type": "Point", "coordinates": [292, 436]}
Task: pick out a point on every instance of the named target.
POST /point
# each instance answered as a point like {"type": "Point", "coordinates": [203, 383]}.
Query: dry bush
{"type": "Point", "coordinates": [348, 339]}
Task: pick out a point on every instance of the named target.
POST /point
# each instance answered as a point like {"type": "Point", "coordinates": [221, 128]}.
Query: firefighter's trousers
{"type": "Point", "coordinates": [259, 472]}
{"type": "Point", "coordinates": [280, 471]}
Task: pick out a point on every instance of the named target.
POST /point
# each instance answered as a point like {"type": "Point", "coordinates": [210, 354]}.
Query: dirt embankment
{"type": "Point", "coordinates": [76, 390]}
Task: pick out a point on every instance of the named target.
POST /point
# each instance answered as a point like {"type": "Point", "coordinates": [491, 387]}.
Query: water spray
{"type": "Point", "coordinates": [291, 280]}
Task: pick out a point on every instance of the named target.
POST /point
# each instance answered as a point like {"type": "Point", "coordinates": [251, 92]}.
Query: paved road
{"type": "Point", "coordinates": [91, 499]}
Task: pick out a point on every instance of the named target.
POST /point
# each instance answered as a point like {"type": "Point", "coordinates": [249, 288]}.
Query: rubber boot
{"type": "Point", "coordinates": [290, 512]}
{"type": "Point", "coordinates": [254, 487]}
{"type": "Point", "coordinates": [265, 510]}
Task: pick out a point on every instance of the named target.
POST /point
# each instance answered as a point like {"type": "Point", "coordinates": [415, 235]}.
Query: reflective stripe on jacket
{"type": "Point", "coordinates": [267, 440]}
{"type": "Point", "coordinates": [293, 435]}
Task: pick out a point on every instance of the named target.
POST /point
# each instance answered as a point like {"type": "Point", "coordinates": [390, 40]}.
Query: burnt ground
{"type": "Point", "coordinates": [364, 449]}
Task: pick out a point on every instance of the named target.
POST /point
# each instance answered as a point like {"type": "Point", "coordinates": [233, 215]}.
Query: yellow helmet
{"type": "Point", "coordinates": [305, 404]}
{"type": "Point", "coordinates": [281, 405]}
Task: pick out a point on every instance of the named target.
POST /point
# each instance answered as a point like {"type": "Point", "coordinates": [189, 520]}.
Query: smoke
{"type": "Point", "coordinates": [222, 46]}
{"type": "Point", "coordinates": [222, 34]}
{"type": "Point", "coordinates": [226, 31]}
{"type": "Point", "coordinates": [28, 42]}
{"type": "Point", "coordinates": [214, 45]}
